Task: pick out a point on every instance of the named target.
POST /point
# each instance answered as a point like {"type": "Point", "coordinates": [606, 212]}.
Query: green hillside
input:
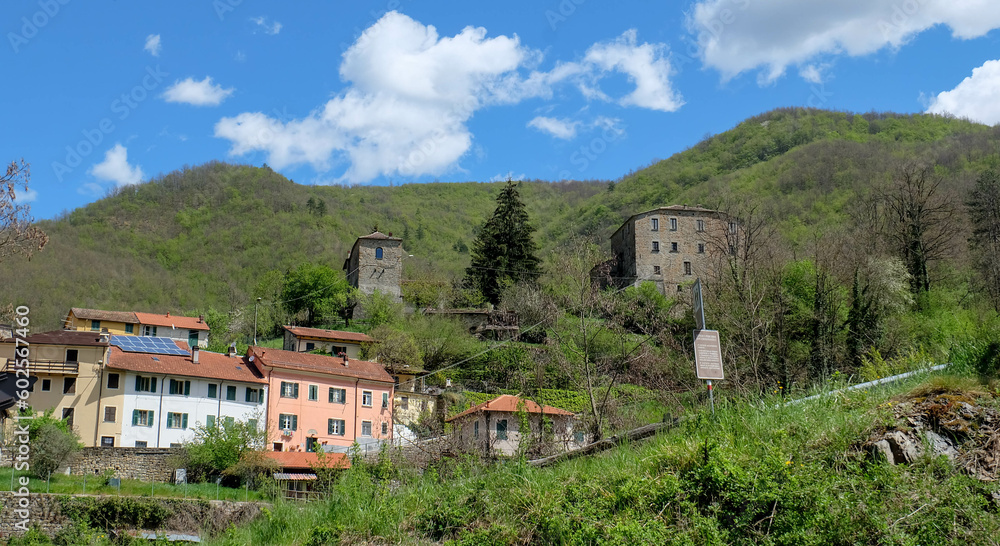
{"type": "Point", "coordinates": [205, 237]}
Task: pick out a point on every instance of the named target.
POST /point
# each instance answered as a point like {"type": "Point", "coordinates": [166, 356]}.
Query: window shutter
{"type": "Point", "coordinates": [248, 395]}
{"type": "Point", "coordinates": [170, 420]}
{"type": "Point", "coordinates": [138, 383]}
{"type": "Point", "coordinates": [210, 421]}
{"type": "Point", "coordinates": [260, 396]}
{"type": "Point", "coordinates": [385, 399]}
{"type": "Point", "coordinates": [150, 419]}
{"type": "Point", "coordinates": [152, 384]}
{"type": "Point", "coordinates": [329, 426]}
{"type": "Point", "coordinates": [135, 417]}
{"type": "Point", "coordinates": [295, 390]}
{"type": "Point", "coordinates": [187, 388]}
{"type": "Point", "coordinates": [295, 422]}
{"type": "Point", "coordinates": [184, 420]}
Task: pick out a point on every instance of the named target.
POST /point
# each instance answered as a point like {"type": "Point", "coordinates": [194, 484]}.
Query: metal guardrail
{"type": "Point", "coordinates": [46, 366]}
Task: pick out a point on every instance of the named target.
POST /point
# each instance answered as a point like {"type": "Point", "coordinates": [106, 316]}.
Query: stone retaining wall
{"type": "Point", "coordinates": [133, 463]}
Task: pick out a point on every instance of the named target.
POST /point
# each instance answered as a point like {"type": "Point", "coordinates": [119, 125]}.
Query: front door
{"type": "Point", "coordinates": [310, 444]}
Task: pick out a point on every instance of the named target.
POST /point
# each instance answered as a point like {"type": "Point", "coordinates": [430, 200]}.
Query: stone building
{"type": "Point", "coordinates": [497, 427]}
{"type": "Point", "coordinates": [376, 263]}
{"type": "Point", "coordinates": [670, 246]}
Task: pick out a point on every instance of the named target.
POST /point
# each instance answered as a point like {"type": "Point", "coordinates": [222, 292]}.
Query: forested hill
{"type": "Point", "coordinates": [207, 236]}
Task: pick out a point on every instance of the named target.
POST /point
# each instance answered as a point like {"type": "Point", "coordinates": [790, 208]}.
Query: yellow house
{"type": "Point", "coordinates": [69, 366]}
{"type": "Point", "coordinates": [94, 320]}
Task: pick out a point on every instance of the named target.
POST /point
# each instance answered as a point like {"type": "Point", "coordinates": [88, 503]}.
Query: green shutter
{"type": "Point", "coordinates": [150, 419]}
{"type": "Point", "coordinates": [184, 420]}
{"type": "Point", "coordinates": [138, 383]}
{"type": "Point", "coordinates": [385, 399]}
{"type": "Point", "coordinates": [248, 395]}
{"type": "Point", "coordinates": [187, 388]}
{"type": "Point", "coordinates": [295, 390]}
{"type": "Point", "coordinates": [295, 422]}
{"type": "Point", "coordinates": [170, 420]}
{"type": "Point", "coordinates": [210, 421]}
{"type": "Point", "coordinates": [152, 384]}
{"type": "Point", "coordinates": [135, 417]}
{"type": "Point", "coordinates": [260, 396]}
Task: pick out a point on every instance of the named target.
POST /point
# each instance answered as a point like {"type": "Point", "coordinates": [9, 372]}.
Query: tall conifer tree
{"type": "Point", "coordinates": [503, 253]}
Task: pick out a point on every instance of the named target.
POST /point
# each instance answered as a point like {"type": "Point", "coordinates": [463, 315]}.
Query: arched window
{"type": "Point", "coordinates": [378, 253]}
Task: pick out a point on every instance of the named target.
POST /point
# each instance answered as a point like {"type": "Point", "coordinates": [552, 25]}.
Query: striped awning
{"type": "Point", "coordinates": [293, 477]}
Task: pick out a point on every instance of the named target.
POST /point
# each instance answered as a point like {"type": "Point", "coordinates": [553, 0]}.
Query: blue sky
{"type": "Point", "coordinates": [104, 94]}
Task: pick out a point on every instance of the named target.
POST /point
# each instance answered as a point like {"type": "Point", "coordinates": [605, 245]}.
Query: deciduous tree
{"type": "Point", "coordinates": [984, 211]}
{"type": "Point", "coordinates": [318, 290]}
{"type": "Point", "coordinates": [17, 235]}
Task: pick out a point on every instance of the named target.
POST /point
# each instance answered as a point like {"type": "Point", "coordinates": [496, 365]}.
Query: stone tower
{"type": "Point", "coordinates": [376, 263]}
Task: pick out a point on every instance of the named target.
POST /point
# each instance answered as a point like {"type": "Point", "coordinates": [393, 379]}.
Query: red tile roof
{"type": "Point", "coordinates": [78, 338]}
{"type": "Point", "coordinates": [209, 366]}
{"type": "Point", "coordinates": [173, 321]}
{"type": "Point", "coordinates": [333, 335]}
{"type": "Point", "coordinates": [303, 459]}
{"type": "Point", "coordinates": [509, 403]}
{"type": "Point", "coordinates": [98, 314]}
{"type": "Point", "coordinates": [379, 235]}
{"type": "Point", "coordinates": [307, 362]}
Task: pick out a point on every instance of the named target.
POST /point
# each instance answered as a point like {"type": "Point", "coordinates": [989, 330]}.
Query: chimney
{"type": "Point", "coordinates": [201, 319]}
{"type": "Point", "coordinates": [232, 350]}
{"type": "Point", "coordinates": [194, 354]}
{"type": "Point", "coordinates": [168, 313]}
{"type": "Point", "coordinates": [345, 359]}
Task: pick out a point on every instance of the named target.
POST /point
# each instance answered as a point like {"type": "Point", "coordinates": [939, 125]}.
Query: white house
{"type": "Point", "coordinates": [164, 396]}
{"type": "Point", "coordinates": [302, 340]}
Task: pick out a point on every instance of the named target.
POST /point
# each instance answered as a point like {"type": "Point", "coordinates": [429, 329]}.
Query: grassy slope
{"type": "Point", "coordinates": [756, 474]}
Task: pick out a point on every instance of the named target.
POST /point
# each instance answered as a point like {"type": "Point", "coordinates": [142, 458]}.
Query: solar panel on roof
{"type": "Point", "coordinates": [143, 344]}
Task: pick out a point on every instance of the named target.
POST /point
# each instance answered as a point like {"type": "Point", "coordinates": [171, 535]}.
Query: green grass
{"type": "Point", "coordinates": [758, 472]}
{"type": "Point", "coordinates": [94, 485]}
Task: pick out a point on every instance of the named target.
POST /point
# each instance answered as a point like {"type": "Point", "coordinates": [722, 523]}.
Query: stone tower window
{"type": "Point", "coordinates": [378, 253]}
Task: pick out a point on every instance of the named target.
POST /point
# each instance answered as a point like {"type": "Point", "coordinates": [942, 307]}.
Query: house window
{"type": "Point", "coordinates": [67, 415]}
{"type": "Point", "coordinates": [72, 355]}
{"type": "Point", "coordinates": [475, 430]}
{"type": "Point", "coordinates": [145, 384]}
{"type": "Point", "coordinates": [701, 248]}
{"type": "Point", "coordinates": [231, 392]}
{"type": "Point", "coordinates": [673, 224]}
{"type": "Point", "coordinates": [501, 429]}
{"type": "Point", "coordinates": [656, 246]}
{"type": "Point", "coordinates": [149, 331]}
{"type": "Point", "coordinates": [177, 420]}
{"type": "Point", "coordinates": [338, 349]}
{"type": "Point", "coordinates": [95, 326]}
{"type": "Point", "coordinates": [142, 418]}
{"type": "Point", "coordinates": [687, 268]}
{"type": "Point", "coordinates": [210, 421]}
{"type": "Point", "coordinates": [180, 387]}
{"type": "Point", "coordinates": [404, 402]}
{"type": "Point", "coordinates": [656, 270]}
{"type": "Point", "coordinates": [673, 247]}
{"type": "Point", "coordinates": [655, 224]}
{"type": "Point", "coordinates": [385, 399]}
{"type": "Point", "coordinates": [366, 398]}
{"type": "Point", "coordinates": [578, 436]}
{"type": "Point", "coordinates": [336, 427]}
{"type": "Point", "coordinates": [338, 396]}
{"type": "Point", "coordinates": [193, 338]}
{"type": "Point", "coordinates": [310, 445]}
{"type": "Point", "coordinates": [732, 227]}
{"type": "Point", "coordinates": [252, 424]}
{"type": "Point", "coordinates": [385, 428]}
{"type": "Point", "coordinates": [699, 225]}
{"type": "Point", "coordinates": [278, 446]}
{"type": "Point", "coordinates": [139, 443]}
{"type": "Point", "coordinates": [213, 390]}
{"type": "Point", "coordinates": [229, 421]}
{"type": "Point", "coordinates": [310, 345]}
{"type": "Point", "coordinates": [313, 392]}
{"type": "Point", "coordinates": [366, 428]}
{"type": "Point", "coordinates": [288, 421]}
{"type": "Point", "coordinates": [69, 385]}
{"type": "Point", "coordinates": [378, 253]}
{"type": "Point", "coordinates": [289, 390]}
{"type": "Point", "coordinates": [129, 328]}
{"type": "Point", "coordinates": [113, 379]}
{"type": "Point", "coordinates": [732, 250]}
{"type": "Point", "coordinates": [254, 395]}
{"type": "Point", "coordinates": [174, 445]}
{"type": "Point", "coordinates": [110, 414]}
{"type": "Point", "coordinates": [46, 385]}
{"type": "Point", "coordinates": [107, 441]}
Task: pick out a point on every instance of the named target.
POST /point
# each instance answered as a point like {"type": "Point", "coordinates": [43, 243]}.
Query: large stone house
{"type": "Point", "coordinates": [376, 263]}
{"type": "Point", "coordinates": [495, 427]}
{"type": "Point", "coordinates": [669, 246]}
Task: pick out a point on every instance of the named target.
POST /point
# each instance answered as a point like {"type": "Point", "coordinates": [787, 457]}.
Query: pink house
{"type": "Point", "coordinates": [319, 400]}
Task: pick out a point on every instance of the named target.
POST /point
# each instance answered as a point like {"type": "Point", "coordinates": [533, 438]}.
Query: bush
{"type": "Point", "coordinates": [51, 447]}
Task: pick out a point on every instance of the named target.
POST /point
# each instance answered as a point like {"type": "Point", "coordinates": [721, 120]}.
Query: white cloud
{"type": "Point", "coordinates": [269, 28]}
{"type": "Point", "coordinates": [153, 45]}
{"type": "Point", "coordinates": [22, 196]}
{"type": "Point", "coordinates": [197, 93]}
{"type": "Point", "coordinates": [645, 65]}
{"type": "Point", "coordinates": [412, 92]}
{"type": "Point", "coordinates": [558, 128]}
{"type": "Point", "coordinates": [975, 97]}
{"type": "Point", "coordinates": [811, 73]}
{"type": "Point", "coordinates": [115, 168]}
{"type": "Point", "coordinates": [508, 176]}
{"type": "Point", "coordinates": [739, 35]}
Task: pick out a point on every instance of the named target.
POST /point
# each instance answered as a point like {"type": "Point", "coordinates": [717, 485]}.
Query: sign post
{"type": "Point", "coordinates": [707, 349]}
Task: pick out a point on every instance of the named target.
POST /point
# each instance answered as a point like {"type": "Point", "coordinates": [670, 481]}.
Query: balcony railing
{"type": "Point", "coordinates": [55, 367]}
